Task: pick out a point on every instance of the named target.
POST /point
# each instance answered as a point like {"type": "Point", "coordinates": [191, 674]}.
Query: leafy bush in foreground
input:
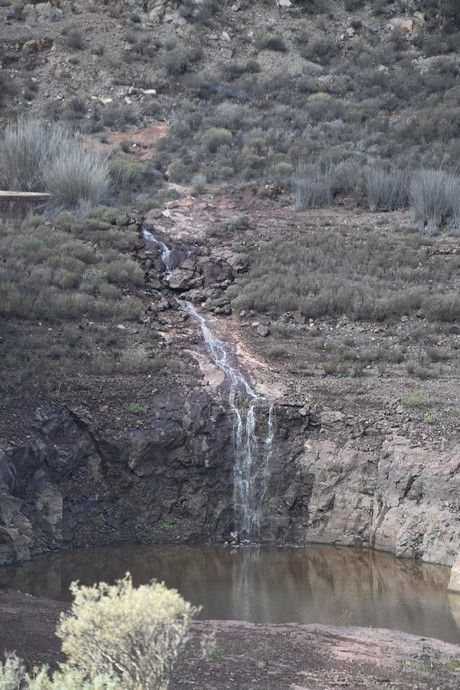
{"type": "Point", "coordinates": [13, 675]}
{"type": "Point", "coordinates": [116, 637]}
{"type": "Point", "coordinates": [133, 634]}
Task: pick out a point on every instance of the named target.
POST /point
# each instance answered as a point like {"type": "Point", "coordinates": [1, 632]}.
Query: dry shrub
{"type": "Point", "coordinates": [76, 177]}
{"type": "Point", "coordinates": [386, 190]}
{"type": "Point", "coordinates": [434, 196]}
{"type": "Point", "coordinates": [35, 157]}
{"type": "Point", "coordinates": [133, 634]}
{"type": "Point", "coordinates": [314, 186]}
{"type": "Point", "coordinates": [25, 150]}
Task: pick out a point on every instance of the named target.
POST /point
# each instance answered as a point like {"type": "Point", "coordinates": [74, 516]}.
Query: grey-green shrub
{"type": "Point", "coordinates": [76, 177]}
{"type": "Point", "coordinates": [26, 148]}
{"type": "Point", "coordinates": [13, 675]}
{"type": "Point", "coordinates": [434, 199]}
{"type": "Point", "coordinates": [314, 185]}
{"type": "Point", "coordinates": [386, 190]}
{"type": "Point", "coordinates": [36, 157]}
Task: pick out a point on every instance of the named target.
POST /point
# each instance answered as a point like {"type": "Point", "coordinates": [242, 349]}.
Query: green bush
{"type": "Point", "coordinates": [266, 41]}
{"type": "Point", "coordinates": [115, 637]}
{"type": "Point", "coordinates": [215, 137]}
{"type": "Point", "coordinates": [132, 634]}
{"type": "Point", "coordinates": [126, 172]}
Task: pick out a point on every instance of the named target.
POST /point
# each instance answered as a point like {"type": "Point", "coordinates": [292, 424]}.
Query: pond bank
{"type": "Point", "coordinates": [276, 657]}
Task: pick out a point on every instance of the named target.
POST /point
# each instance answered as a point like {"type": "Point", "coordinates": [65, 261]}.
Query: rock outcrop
{"type": "Point", "coordinates": [171, 480]}
{"type": "Point", "coordinates": [76, 484]}
{"type": "Point", "coordinates": [454, 582]}
{"type": "Point", "coordinates": [382, 492]}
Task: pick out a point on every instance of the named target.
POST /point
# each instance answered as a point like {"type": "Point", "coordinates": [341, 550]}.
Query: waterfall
{"type": "Point", "coordinates": [166, 252]}
{"type": "Point", "coordinates": [252, 454]}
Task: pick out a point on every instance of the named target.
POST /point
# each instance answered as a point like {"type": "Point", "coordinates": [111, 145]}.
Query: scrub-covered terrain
{"type": "Point", "coordinates": [277, 148]}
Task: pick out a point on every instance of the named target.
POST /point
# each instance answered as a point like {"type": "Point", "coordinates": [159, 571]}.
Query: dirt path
{"type": "Point", "coordinates": [274, 657]}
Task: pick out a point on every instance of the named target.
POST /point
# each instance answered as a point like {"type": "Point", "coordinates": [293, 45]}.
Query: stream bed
{"type": "Point", "coordinates": [316, 584]}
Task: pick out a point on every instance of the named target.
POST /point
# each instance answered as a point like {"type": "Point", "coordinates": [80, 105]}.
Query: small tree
{"type": "Point", "coordinates": [132, 634]}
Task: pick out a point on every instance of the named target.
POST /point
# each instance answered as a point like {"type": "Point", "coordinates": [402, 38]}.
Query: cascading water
{"type": "Point", "coordinates": [252, 454]}
{"type": "Point", "coordinates": [166, 253]}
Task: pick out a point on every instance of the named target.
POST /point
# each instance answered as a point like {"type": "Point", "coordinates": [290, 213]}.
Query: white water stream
{"type": "Point", "coordinates": [252, 453]}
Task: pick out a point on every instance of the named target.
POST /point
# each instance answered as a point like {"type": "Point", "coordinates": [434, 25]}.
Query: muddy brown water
{"type": "Point", "coordinates": [317, 584]}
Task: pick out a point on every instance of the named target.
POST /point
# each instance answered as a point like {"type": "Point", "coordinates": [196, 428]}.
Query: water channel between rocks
{"type": "Point", "coordinates": [252, 449]}
{"type": "Point", "coordinates": [315, 584]}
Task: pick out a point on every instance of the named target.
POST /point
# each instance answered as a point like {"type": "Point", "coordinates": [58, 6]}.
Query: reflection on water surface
{"type": "Point", "coordinates": [317, 584]}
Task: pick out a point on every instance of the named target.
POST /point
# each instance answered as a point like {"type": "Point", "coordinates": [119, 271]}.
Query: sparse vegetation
{"type": "Point", "coordinates": [134, 408]}
{"type": "Point", "coordinates": [52, 274]}
{"type": "Point", "coordinates": [37, 157]}
{"type": "Point", "coordinates": [115, 636]}
{"type": "Point", "coordinates": [414, 400]}
{"type": "Point", "coordinates": [324, 272]}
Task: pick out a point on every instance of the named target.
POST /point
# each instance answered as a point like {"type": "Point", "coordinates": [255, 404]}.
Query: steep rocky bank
{"type": "Point", "coordinates": [77, 482]}
{"type": "Point", "coordinates": [350, 464]}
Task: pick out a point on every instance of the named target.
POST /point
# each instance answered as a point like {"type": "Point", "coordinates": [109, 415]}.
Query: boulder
{"type": "Point", "coordinates": [263, 330]}
{"type": "Point", "coordinates": [454, 582]}
{"type": "Point", "coordinates": [14, 546]}
{"type": "Point", "coordinates": [181, 279]}
{"type": "Point", "coordinates": [215, 271]}
{"type": "Point", "coordinates": [49, 503]}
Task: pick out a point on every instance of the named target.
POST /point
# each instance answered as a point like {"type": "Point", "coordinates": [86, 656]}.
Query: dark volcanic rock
{"type": "Point", "coordinates": [170, 479]}
{"type": "Point", "coordinates": [80, 484]}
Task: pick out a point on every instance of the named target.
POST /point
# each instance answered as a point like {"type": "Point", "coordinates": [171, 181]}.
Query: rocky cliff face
{"type": "Point", "coordinates": [364, 489]}
{"type": "Point", "coordinates": [75, 483]}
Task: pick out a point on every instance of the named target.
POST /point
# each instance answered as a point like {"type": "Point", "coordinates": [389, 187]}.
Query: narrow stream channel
{"type": "Point", "coordinates": [252, 451]}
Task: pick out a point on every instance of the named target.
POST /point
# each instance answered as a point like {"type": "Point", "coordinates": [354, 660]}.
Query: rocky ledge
{"type": "Point", "coordinates": [77, 482]}
{"type": "Point", "coordinates": [277, 657]}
